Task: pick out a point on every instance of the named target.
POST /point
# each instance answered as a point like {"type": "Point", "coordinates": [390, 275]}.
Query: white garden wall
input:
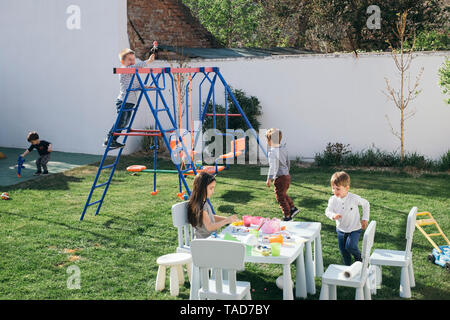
{"type": "Point", "coordinates": [316, 99]}
{"type": "Point", "coordinates": [59, 82]}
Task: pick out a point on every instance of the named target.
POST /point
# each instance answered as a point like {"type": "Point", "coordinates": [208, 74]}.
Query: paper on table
{"type": "Point", "coordinates": [250, 240]}
{"type": "Point", "coordinates": [352, 270]}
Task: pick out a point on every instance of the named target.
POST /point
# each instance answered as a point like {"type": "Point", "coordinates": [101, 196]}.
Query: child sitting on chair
{"type": "Point", "coordinates": [128, 60]}
{"type": "Point", "coordinates": [43, 148]}
{"type": "Point", "coordinates": [200, 214]}
{"type": "Point", "coordinates": [279, 165]}
{"type": "Point", "coordinates": [343, 207]}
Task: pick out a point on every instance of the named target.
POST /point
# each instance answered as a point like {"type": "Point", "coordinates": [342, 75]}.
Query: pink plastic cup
{"type": "Point", "coordinates": [247, 220]}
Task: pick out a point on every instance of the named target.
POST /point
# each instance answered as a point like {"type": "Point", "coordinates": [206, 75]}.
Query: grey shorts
{"type": "Point", "coordinates": [43, 160]}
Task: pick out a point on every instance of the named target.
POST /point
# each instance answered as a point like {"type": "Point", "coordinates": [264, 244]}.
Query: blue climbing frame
{"type": "Point", "coordinates": [152, 83]}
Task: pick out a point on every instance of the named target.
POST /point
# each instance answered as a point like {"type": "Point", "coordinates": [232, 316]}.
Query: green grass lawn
{"type": "Point", "coordinates": [116, 251]}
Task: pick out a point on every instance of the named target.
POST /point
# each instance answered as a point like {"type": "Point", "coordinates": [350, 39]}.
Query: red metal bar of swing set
{"type": "Point", "coordinates": [148, 131]}
{"type": "Point", "coordinates": [141, 133]}
{"type": "Point", "coordinates": [223, 114]}
{"type": "Point", "coordinates": [138, 134]}
{"type": "Point", "coordinates": [159, 70]}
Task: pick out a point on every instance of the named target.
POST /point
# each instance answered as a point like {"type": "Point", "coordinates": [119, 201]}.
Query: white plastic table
{"type": "Point", "coordinates": [311, 232]}
{"type": "Point", "coordinates": [288, 254]}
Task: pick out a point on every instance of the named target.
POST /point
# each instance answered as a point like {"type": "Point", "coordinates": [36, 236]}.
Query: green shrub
{"type": "Point", "coordinates": [444, 78]}
{"type": "Point", "coordinates": [339, 154]}
{"type": "Point", "coordinates": [431, 40]}
{"type": "Point", "coordinates": [444, 161]}
{"type": "Point", "coordinates": [147, 142]}
{"type": "Point", "coordinates": [415, 160]}
{"type": "Point", "coordinates": [249, 104]}
{"type": "Point", "coordinates": [333, 154]}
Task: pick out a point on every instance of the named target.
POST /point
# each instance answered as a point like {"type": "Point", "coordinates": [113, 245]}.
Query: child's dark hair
{"type": "Point", "coordinates": [33, 135]}
{"type": "Point", "coordinates": [198, 198]}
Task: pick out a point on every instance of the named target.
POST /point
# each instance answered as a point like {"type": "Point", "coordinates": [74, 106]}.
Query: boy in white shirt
{"type": "Point", "coordinates": [343, 208]}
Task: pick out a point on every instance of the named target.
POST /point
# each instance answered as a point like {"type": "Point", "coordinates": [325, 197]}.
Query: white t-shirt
{"type": "Point", "coordinates": [348, 208]}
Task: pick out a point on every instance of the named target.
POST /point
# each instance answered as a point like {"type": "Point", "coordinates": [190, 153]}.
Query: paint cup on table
{"type": "Point", "coordinates": [254, 232]}
{"type": "Point", "coordinates": [277, 238]}
{"type": "Point", "coordinates": [247, 220]}
{"type": "Point", "coordinates": [275, 247]}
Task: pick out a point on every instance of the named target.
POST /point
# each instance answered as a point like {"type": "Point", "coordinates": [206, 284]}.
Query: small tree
{"type": "Point", "coordinates": [402, 58]}
{"type": "Point", "coordinates": [444, 78]}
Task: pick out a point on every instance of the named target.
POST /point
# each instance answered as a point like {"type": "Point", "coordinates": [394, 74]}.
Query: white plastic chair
{"type": "Point", "coordinates": [333, 276]}
{"type": "Point", "coordinates": [402, 259]}
{"type": "Point", "coordinates": [180, 221]}
{"type": "Point", "coordinates": [221, 256]}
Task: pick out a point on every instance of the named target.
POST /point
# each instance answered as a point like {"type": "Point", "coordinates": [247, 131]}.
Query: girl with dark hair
{"type": "Point", "coordinates": [200, 214]}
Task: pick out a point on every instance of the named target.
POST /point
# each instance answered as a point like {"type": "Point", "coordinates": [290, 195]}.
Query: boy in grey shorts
{"type": "Point", "coordinates": [43, 147]}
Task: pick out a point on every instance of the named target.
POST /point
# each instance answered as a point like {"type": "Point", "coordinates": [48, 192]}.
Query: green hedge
{"type": "Point", "coordinates": [339, 154]}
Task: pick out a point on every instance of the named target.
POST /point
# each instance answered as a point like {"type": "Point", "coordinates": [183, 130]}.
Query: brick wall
{"type": "Point", "coordinates": [167, 21]}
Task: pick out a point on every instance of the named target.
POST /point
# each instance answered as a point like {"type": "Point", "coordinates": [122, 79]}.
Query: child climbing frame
{"type": "Point", "coordinates": [153, 88]}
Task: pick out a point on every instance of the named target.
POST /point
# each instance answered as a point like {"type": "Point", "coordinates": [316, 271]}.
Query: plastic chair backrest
{"type": "Point", "coordinates": [180, 221]}
{"type": "Point", "coordinates": [220, 255]}
{"type": "Point", "coordinates": [410, 227]}
{"type": "Point", "coordinates": [369, 236]}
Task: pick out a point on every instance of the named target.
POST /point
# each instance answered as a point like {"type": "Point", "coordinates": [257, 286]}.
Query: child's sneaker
{"type": "Point", "coordinates": [287, 218]}
{"type": "Point", "coordinates": [37, 173]}
{"type": "Point", "coordinates": [294, 212]}
{"type": "Point", "coordinates": [45, 173]}
{"type": "Point", "coordinates": [116, 145]}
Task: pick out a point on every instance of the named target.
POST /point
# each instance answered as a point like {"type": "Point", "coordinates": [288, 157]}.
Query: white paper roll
{"type": "Point", "coordinates": [250, 240]}
{"type": "Point", "coordinates": [352, 270]}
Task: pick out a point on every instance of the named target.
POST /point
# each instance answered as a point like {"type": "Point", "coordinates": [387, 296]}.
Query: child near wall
{"type": "Point", "coordinates": [200, 214]}
{"type": "Point", "coordinates": [279, 165]}
{"type": "Point", "coordinates": [44, 148]}
{"type": "Point", "coordinates": [128, 60]}
{"type": "Point", "coordinates": [343, 207]}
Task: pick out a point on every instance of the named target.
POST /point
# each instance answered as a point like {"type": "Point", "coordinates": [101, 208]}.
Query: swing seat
{"type": "Point", "coordinates": [154, 193]}
{"type": "Point", "coordinates": [136, 168]}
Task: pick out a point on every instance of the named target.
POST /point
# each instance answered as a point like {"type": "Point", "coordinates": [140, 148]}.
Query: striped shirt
{"type": "Point", "coordinates": [125, 79]}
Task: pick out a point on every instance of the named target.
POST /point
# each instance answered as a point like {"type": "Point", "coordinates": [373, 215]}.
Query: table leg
{"type": "Point", "coordinates": [318, 260]}
{"type": "Point", "coordinates": [287, 283]}
{"type": "Point", "coordinates": [309, 269]}
{"type": "Point", "coordinates": [300, 278]}
{"type": "Point", "coordinates": [195, 283]}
